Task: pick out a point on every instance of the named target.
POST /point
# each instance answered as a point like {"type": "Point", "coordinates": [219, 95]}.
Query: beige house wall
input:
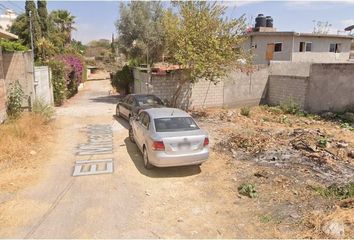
{"type": "Point", "coordinates": [290, 48]}
{"type": "Point", "coordinates": [18, 66]}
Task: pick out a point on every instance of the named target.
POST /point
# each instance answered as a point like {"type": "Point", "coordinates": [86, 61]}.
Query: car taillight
{"type": "Point", "coordinates": [158, 146]}
{"type": "Point", "coordinates": [206, 142]}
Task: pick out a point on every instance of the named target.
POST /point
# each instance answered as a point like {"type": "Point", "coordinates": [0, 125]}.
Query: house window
{"type": "Point", "coordinates": [302, 47]}
{"type": "Point", "coordinates": [334, 47]}
{"type": "Point", "coordinates": [278, 47]}
{"type": "Point", "coordinates": [308, 47]}
{"type": "Point", "coordinates": [305, 47]}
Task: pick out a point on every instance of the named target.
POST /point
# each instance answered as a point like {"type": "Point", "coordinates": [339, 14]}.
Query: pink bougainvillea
{"type": "Point", "coordinates": [73, 68]}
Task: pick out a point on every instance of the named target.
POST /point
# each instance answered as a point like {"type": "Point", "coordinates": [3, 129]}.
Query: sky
{"type": "Point", "coordinates": [95, 19]}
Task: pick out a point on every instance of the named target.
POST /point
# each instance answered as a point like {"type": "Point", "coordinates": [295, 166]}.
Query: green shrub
{"type": "Point", "coordinates": [122, 79]}
{"type": "Point", "coordinates": [248, 190]}
{"type": "Point", "coordinates": [290, 107]}
{"type": "Point", "coordinates": [245, 111]}
{"type": "Point", "coordinates": [322, 142]}
{"type": "Point", "coordinates": [59, 83]}
{"type": "Point", "coordinates": [335, 191]}
{"type": "Point", "coordinates": [14, 100]}
{"type": "Point", "coordinates": [12, 46]}
{"type": "Point", "coordinates": [43, 109]}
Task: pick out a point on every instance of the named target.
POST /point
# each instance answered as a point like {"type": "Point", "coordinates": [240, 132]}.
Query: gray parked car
{"type": "Point", "coordinates": [169, 137]}
{"type": "Point", "coordinates": [133, 103]}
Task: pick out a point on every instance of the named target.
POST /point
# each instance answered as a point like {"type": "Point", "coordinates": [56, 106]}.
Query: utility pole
{"type": "Point", "coordinates": [32, 47]}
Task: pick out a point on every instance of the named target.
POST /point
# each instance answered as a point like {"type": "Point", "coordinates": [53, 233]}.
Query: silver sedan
{"type": "Point", "coordinates": [169, 137]}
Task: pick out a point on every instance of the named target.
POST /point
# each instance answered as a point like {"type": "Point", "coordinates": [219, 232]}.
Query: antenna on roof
{"type": "Point", "coordinates": [172, 112]}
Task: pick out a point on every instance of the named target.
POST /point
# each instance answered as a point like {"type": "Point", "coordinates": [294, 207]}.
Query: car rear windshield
{"type": "Point", "coordinates": [148, 100]}
{"type": "Point", "coordinates": [175, 124]}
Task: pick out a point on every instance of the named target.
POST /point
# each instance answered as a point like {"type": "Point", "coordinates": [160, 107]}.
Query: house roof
{"type": "Point", "coordinates": [296, 34]}
{"type": "Point", "coordinates": [7, 35]}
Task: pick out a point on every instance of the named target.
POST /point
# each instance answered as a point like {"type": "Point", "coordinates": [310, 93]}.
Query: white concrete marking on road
{"type": "Point", "coordinates": [93, 170]}
{"type": "Point", "coordinates": [100, 141]}
{"type": "Point", "coordinates": [94, 161]}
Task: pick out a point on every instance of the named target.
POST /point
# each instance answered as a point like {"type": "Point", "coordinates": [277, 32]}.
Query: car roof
{"type": "Point", "coordinates": [166, 112]}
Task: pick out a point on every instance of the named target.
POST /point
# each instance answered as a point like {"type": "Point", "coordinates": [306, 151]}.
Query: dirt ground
{"type": "Point", "coordinates": [288, 158]}
{"type": "Point", "coordinates": [182, 202]}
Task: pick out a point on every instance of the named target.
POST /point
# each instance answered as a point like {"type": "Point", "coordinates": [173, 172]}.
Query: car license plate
{"type": "Point", "coordinates": [184, 145]}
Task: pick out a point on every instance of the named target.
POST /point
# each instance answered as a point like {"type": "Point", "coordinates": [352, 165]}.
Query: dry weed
{"type": "Point", "coordinates": [21, 139]}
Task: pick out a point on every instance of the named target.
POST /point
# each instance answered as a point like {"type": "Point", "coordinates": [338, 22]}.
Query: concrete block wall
{"type": "Point", "coordinates": [206, 94]}
{"type": "Point", "coordinates": [237, 88]}
{"type": "Point", "coordinates": [285, 88]}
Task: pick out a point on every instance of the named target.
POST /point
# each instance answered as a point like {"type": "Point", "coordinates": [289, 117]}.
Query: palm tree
{"type": "Point", "coordinates": [63, 21]}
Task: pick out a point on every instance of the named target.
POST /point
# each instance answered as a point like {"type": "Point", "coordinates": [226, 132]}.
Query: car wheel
{"type": "Point", "coordinates": [147, 165]}
{"type": "Point", "coordinates": [131, 135]}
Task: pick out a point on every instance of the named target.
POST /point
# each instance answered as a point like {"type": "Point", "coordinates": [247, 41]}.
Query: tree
{"type": "Point", "coordinates": [43, 16]}
{"type": "Point", "coordinates": [140, 30]}
{"type": "Point", "coordinates": [21, 29]}
{"type": "Point", "coordinates": [203, 42]}
{"type": "Point", "coordinates": [321, 27]}
{"type": "Point", "coordinates": [64, 23]}
{"type": "Point", "coordinates": [30, 7]}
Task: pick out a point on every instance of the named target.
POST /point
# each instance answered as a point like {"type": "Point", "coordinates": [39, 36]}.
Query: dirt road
{"type": "Point", "coordinates": [131, 202]}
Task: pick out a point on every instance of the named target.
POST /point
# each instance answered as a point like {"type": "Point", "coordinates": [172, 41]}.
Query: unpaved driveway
{"type": "Point", "coordinates": [131, 202]}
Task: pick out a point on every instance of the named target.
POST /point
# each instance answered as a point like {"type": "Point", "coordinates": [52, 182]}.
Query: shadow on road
{"type": "Point", "coordinates": [165, 172]}
{"type": "Point", "coordinates": [112, 99]}
{"type": "Point", "coordinates": [122, 121]}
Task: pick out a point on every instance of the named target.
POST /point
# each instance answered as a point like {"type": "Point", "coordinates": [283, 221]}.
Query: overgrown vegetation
{"type": "Point", "coordinates": [248, 190]}
{"type": "Point", "coordinates": [14, 100]}
{"type": "Point", "coordinates": [122, 79]}
{"type": "Point", "coordinates": [336, 191]}
{"type": "Point", "coordinates": [290, 107]}
{"type": "Point", "coordinates": [21, 138]}
{"type": "Point", "coordinates": [11, 46]}
{"type": "Point", "coordinates": [58, 81]}
{"type": "Point", "coordinates": [46, 111]}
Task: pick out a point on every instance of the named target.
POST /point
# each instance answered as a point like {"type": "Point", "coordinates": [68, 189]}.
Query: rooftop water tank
{"type": "Point", "coordinates": [269, 21]}
{"type": "Point", "coordinates": [260, 21]}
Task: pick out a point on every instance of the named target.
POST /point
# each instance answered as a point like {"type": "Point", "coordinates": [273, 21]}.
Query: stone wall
{"type": "Point", "coordinates": [331, 87]}
{"type": "Point", "coordinates": [284, 88]}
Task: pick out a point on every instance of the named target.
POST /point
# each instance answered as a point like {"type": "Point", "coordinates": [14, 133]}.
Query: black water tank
{"type": "Point", "coordinates": [269, 21]}
{"type": "Point", "coordinates": [260, 21]}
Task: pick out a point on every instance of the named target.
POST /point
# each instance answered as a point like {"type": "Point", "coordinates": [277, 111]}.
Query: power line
{"type": "Point", "coordinates": [3, 7]}
{"type": "Point", "coordinates": [16, 6]}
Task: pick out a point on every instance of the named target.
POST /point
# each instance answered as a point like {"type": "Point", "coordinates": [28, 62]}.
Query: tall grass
{"type": "Point", "coordinates": [20, 137]}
